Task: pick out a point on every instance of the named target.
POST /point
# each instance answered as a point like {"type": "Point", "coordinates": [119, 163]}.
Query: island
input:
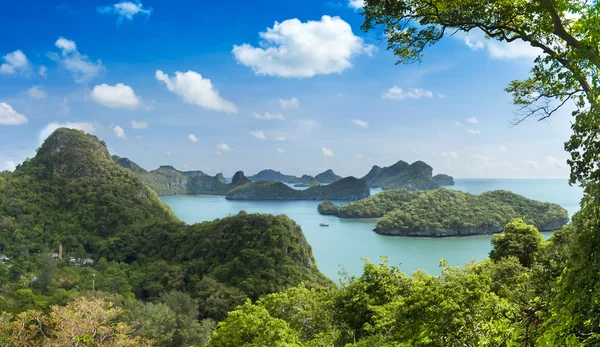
{"type": "Point", "coordinates": [327, 176]}
{"type": "Point", "coordinates": [446, 212]}
{"type": "Point", "coordinates": [401, 175]}
{"type": "Point", "coordinates": [166, 180]}
{"type": "Point", "coordinates": [349, 188]}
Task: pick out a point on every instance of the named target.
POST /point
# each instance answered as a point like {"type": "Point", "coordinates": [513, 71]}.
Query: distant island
{"type": "Point", "coordinates": [327, 176]}
{"type": "Point", "coordinates": [304, 181]}
{"type": "Point", "coordinates": [349, 188]}
{"type": "Point", "coordinates": [401, 175]}
{"type": "Point", "coordinates": [445, 212]}
{"type": "Point", "coordinates": [166, 180]}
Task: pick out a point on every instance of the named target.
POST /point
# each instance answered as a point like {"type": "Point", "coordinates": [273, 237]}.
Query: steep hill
{"type": "Point", "coordinates": [401, 175]}
{"type": "Point", "coordinates": [328, 177]}
{"type": "Point", "coordinates": [348, 188]}
{"type": "Point", "coordinates": [72, 193]}
{"type": "Point", "coordinates": [276, 176]}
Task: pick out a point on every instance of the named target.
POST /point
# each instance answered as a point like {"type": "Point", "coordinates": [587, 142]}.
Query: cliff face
{"type": "Point", "coordinates": [349, 188]}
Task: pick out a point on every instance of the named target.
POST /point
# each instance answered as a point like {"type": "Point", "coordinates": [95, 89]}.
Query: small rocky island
{"type": "Point", "coordinates": [401, 175]}
{"type": "Point", "coordinates": [349, 188]}
{"type": "Point", "coordinates": [445, 212]}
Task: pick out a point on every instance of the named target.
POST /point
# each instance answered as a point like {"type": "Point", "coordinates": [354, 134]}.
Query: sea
{"type": "Point", "coordinates": [346, 243]}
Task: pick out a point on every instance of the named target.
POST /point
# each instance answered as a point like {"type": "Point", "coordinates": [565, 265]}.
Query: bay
{"type": "Point", "coordinates": [346, 241]}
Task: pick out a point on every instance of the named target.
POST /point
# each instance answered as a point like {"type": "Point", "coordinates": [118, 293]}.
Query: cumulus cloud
{"type": "Point", "coordinates": [79, 65]}
{"type": "Point", "coordinates": [119, 132]}
{"type": "Point", "coordinates": [280, 150]}
{"type": "Point", "coordinates": [195, 90]}
{"type": "Point", "coordinates": [556, 162]}
{"type": "Point", "coordinates": [9, 165]}
{"type": "Point", "coordinates": [476, 40]}
{"type": "Point", "coordinates": [356, 4]}
{"type": "Point", "coordinates": [472, 120]}
{"type": "Point", "coordinates": [301, 50]}
{"type": "Point", "coordinates": [43, 71]}
{"type": "Point", "coordinates": [289, 103]}
{"type": "Point", "coordinates": [361, 123]}
{"type": "Point", "coordinates": [15, 63]}
{"type": "Point", "coordinates": [193, 138]}
{"type": "Point", "coordinates": [224, 147]}
{"type": "Point", "coordinates": [37, 92]}
{"type": "Point", "coordinates": [258, 134]}
{"type": "Point", "coordinates": [502, 148]}
{"type": "Point", "coordinates": [327, 152]}
{"type": "Point", "coordinates": [8, 116]}
{"type": "Point", "coordinates": [268, 116]}
{"type": "Point", "coordinates": [473, 131]}
{"type": "Point", "coordinates": [396, 93]}
{"type": "Point", "coordinates": [125, 10]}
{"type": "Point", "coordinates": [279, 138]}
{"type": "Point", "coordinates": [117, 96]}
{"type": "Point", "coordinates": [139, 125]}
{"type": "Point", "coordinates": [49, 129]}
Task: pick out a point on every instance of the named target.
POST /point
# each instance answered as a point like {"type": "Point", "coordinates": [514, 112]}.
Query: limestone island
{"type": "Point", "coordinates": [415, 176]}
{"type": "Point", "coordinates": [349, 188]}
{"type": "Point", "coordinates": [446, 212]}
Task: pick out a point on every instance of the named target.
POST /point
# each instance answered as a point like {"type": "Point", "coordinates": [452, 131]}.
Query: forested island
{"type": "Point", "coordinates": [445, 212]}
{"type": "Point", "coordinates": [348, 188]}
{"type": "Point", "coordinates": [401, 175]}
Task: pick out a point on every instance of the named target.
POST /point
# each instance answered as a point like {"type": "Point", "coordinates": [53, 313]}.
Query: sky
{"type": "Point", "coordinates": [294, 85]}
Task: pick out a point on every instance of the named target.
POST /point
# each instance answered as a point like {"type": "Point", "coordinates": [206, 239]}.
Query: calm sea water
{"type": "Point", "coordinates": [346, 241]}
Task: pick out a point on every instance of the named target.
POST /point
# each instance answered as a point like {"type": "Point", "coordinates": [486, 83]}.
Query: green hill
{"type": "Point", "coordinates": [72, 193]}
{"type": "Point", "coordinates": [401, 175]}
{"type": "Point", "coordinates": [348, 188]}
{"type": "Point", "coordinates": [328, 177]}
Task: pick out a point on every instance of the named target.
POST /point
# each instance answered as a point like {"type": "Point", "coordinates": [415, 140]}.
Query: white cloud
{"type": "Point", "coordinates": [43, 71]}
{"type": "Point", "coordinates": [532, 164]}
{"type": "Point", "coordinates": [473, 131]}
{"type": "Point", "coordinates": [356, 4]}
{"type": "Point", "coordinates": [117, 96]}
{"type": "Point", "coordinates": [327, 152]}
{"type": "Point", "coordinates": [279, 138]}
{"type": "Point", "coordinates": [453, 155]}
{"type": "Point", "coordinates": [49, 129]}
{"type": "Point", "coordinates": [361, 123]}
{"type": "Point", "coordinates": [224, 147]}
{"type": "Point", "coordinates": [295, 49]}
{"type": "Point", "coordinates": [280, 150]}
{"type": "Point", "coordinates": [119, 132]}
{"type": "Point", "coordinates": [258, 134]}
{"type": "Point", "coordinates": [472, 120]}
{"type": "Point", "coordinates": [357, 155]}
{"type": "Point", "coordinates": [193, 138]}
{"type": "Point", "coordinates": [476, 40]}
{"type": "Point", "coordinates": [440, 95]}
{"type": "Point", "coordinates": [268, 116]}
{"type": "Point", "coordinates": [502, 148]}
{"type": "Point", "coordinates": [125, 10]}
{"type": "Point", "coordinates": [37, 92]}
{"type": "Point", "coordinates": [65, 110]}
{"type": "Point", "coordinates": [8, 116]}
{"type": "Point", "coordinates": [458, 124]}
{"type": "Point", "coordinates": [138, 137]}
{"type": "Point", "coordinates": [139, 125]}
{"type": "Point", "coordinates": [196, 90]}
{"type": "Point", "coordinates": [556, 162]}
{"type": "Point", "coordinates": [481, 157]}
{"type": "Point", "coordinates": [289, 103]}
{"type": "Point", "coordinates": [15, 62]}
{"type": "Point", "coordinates": [168, 154]}
{"type": "Point", "coordinates": [80, 66]}
{"type": "Point", "coordinates": [306, 124]}
{"type": "Point", "coordinates": [396, 93]}
{"type": "Point", "coordinates": [9, 165]}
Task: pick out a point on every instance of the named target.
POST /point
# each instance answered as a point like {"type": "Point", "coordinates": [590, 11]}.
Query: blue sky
{"type": "Point", "coordinates": [222, 86]}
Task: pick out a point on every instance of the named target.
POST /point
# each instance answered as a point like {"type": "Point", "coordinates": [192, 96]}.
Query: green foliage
{"type": "Point", "coordinates": [348, 188]}
{"type": "Point", "coordinates": [372, 207]}
{"type": "Point", "coordinates": [518, 240]}
{"type": "Point", "coordinates": [416, 176]}
{"type": "Point", "coordinates": [444, 212]}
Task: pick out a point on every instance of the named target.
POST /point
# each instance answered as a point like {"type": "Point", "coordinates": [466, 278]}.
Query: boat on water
{"type": "Point", "coordinates": [323, 225]}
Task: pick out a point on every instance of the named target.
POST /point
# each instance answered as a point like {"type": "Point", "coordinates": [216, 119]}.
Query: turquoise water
{"type": "Point", "coordinates": [346, 241]}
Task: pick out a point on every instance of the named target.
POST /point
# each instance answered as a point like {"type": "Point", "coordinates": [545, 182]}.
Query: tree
{"type": "Point", "coordinates": [567, 33]}
{"type": "Point", "coordinates": [519, 240]}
